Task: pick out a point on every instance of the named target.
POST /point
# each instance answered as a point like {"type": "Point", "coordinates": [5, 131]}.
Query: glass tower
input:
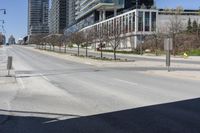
{"type": "Point", "coordinates": [38, 17]}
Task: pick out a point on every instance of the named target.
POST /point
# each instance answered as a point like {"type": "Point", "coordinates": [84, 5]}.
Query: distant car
{"type": "Point", "coordinates": [7, 44]}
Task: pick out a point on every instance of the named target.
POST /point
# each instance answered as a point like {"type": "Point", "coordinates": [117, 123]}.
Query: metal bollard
{"type": "Point", "coordinates": [9, 64]}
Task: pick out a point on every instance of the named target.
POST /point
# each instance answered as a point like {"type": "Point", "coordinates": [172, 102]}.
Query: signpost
{"type": "Point", "coordinates": [168, 46]}
{"type": "Point", "coordinates": [9, 64]}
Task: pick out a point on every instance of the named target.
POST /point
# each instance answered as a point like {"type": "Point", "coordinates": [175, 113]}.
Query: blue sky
{"type": "Point", "coordinates": [16, 17]}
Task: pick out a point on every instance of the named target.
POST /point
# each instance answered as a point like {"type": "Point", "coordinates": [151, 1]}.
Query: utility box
{"type": "Point", "coordinates": [9, 62]}
{"type": "Point", "coordinates": [168, 47]}
{"type": "Point", "coordinates": [168, 44]}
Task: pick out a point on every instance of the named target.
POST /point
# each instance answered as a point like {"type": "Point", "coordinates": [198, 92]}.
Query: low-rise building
{"type": "Point", "coordinates": [134, 25]}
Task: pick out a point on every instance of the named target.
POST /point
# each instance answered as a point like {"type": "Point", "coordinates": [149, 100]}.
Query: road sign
{"type": "Point", "coordinates": [9, 64]}
{"type": "Point", "coordinates": [168, 44]}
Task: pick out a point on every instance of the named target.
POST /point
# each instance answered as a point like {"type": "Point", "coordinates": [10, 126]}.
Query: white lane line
{"type": "Point", "coordinates": [127, 82]}
{"type": "Point", "coordinates": [21, 83]}
{"type": "Point", "coordinates": [44, 77]}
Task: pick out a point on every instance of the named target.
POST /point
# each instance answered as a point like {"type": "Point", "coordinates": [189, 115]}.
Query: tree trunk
{"type": "Point", "coordinates": [115, 58]}
{"type": "Point", "coordinates": [65, 48]}
{"type": "Point", "coordinates": [59, 49]}
{"type": "Point", "coordinates": [78, 49]}
{"type": "Point", "coordinates": [156, 47]}
{"type": "Point", "coordinates": [174, 44]}
{"type": "Point", "coordinates": [53, 48]}
{"type": "Point", "coordinates": [141, 51]}
{"type": "Point", "coordinates": [86, 50]}
{"type": "Point", "coordinates": [101, 53]}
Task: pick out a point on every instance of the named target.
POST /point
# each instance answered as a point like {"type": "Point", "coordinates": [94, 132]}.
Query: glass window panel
{"type": "Point", "coordinates": [140, 21]}
{"type": "Point", "coordinates": [153, 21]}
{"type": "Point", "coordinates": [147, 21]}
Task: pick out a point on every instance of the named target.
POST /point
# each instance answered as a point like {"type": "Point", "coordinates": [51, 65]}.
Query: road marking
{"type": "Point", "coordinates": [21, 83]}
{"type": "Point", "coordinates": [127, 82]}
{"type": "Point", "coordinates": [44, 77]}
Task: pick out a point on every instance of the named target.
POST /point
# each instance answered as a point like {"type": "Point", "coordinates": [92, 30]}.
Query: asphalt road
{"type": "Point", "coordinates": [59, 96]}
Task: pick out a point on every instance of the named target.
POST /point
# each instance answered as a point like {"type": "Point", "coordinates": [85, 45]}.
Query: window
{"type": "Point", "coordinates": [147, 21]}
{"type": "Point", "coordinates": [140, 21]}
{"type": "Point", "coordinates": [133, 24]}
{"type": "Point", "coordinates": [153, 21]}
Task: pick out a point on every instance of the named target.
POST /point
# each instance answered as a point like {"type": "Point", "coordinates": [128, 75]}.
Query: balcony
{"type": "Point", "coordinates": [87, 6]}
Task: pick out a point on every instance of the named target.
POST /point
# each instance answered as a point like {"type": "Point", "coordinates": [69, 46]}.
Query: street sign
{"type": "Point", "coordinates": [168, 44]}
{"type": "Point", "coordinates": [9, 64]}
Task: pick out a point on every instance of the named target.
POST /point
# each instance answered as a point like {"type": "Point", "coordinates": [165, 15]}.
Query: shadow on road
{"type": "Point", "coordinates": [54, 72]}
{"type": "Point", "coordinates": [177, 117]}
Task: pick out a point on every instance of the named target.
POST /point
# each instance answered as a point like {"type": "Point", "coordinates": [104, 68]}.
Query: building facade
{"type": "Point", "coordinates": [88, 12]}
{"type": "Point", "coordinates": [72, 12]}
{"type": "Point", "coordinates": [133, 19]}
{"type": "Point", "coordinates": [130, 26]}
{"type": "Point", "coordinates": [59, 16]}
{"type": "Point", "coordinates": [133, 26]}
{"type": "Point", "coordinates": [11, 40]}
{"type": "Point", "coordinates": [38, 17]}
{"type": "Point", "coordinates": [166, 16]}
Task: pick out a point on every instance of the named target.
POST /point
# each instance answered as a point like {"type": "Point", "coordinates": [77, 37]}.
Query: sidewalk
{"type": "Point", "coordinates": [3, 66]}
{"type": "Point", "coordinates": [3, 58]}
{"type": "Point", "coordinates": [7, 85]}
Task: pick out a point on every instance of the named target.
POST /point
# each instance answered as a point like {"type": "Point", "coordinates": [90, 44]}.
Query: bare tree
{"type": "Point", "coordinates": [175, 26]}
{"type": "Point", "coordinates": [102, 35]}
{"type": "Point", "coordinates": [66, 41]}
{"type": "Point", "coordinates": [38, 40]}
{"type": "Point", "coordinates": [77, 38]}
{"type": "Point", "coordinates": [157, 35]}
{"type": "Point", "coordinates": [55, 40]}
{"type": "Point", "coordinates": [88, 39]}
{"type": "Point", "coordinates": [115, 35]}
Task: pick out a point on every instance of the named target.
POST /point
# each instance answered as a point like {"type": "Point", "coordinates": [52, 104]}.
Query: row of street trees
{"type": "Point", "coordinates": [104, 36]}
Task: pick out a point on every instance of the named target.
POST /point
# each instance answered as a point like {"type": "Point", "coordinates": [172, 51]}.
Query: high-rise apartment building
{"type": "Point", "coordinates": [59, 16]}
{"type": "Point", "coordinates": [38, 17]}
{"type": "Point", "coordinates": [72, 12]}
{"type": "Point", "coordinates": [88, 12]}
